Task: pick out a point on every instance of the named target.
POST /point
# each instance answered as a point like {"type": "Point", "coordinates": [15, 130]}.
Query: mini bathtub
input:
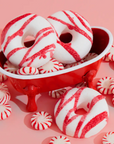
{"type": "Point", "coordinates": [34, 84]}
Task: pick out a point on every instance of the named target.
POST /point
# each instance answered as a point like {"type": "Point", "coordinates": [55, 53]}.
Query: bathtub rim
{"type": "Point", "coordinates": [29, 77]}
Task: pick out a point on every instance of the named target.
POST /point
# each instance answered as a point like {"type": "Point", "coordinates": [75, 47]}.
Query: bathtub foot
{"type": "Point", "coordinates": [31, 92]}
{"type": "Point", "coordinates": [88, 78]}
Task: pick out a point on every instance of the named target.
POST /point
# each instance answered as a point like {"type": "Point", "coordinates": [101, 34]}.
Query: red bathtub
{"type": "Point", "coordinates": [32, 85]}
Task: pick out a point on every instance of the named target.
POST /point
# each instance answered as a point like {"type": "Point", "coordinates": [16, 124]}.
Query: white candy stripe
{"type": "Point", "coordinates": [108, 138]}
{"type": "Point", "coordinates": [41, 120]}
{"type": "Point", "coordinates": [5, 111]}
{"type": "Point", "coordinates": [103, 85]}
{"type": "Point", "coordinates": [59, 140]}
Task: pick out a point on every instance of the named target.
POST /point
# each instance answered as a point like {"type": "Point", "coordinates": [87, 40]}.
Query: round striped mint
{"type": "Point", "coordinates": [90, 56]}
{"type": "Point", "coordinates": [105, 58]}
{"type": "Point", "coordinates": [108, 138]}
{"type": "Point", "coordinates": [4, 94]}
{"type": "Point", "coordinates": [103, 85]}
{"type": "Point", "coordinates": [59, 140]}
{"type": "Point", "coordinates": [112, 86]}
{"type": "Point", "coordinates": [5, 111]}
{"type": "Point", "coordinates": [110, 54]}
{"type": "Point", "coordinates": [82, 84]}
{"type": "Point", "coordinates": [41, 120]}
{"type": "Point", "coordinates": [74, 64]}
{"type": "Point", "coordinates": [52, 66]}
{"type": "Point", "coordinates": [3, 77]}
{"type": "Point", "coordinates": [9, 67]}
{"type": "Point", "coordinates": [28, 71]}
{"type": "Point", "coordinates": [57, 93]}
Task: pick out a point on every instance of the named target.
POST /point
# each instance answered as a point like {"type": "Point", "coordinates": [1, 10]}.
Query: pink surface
{"type": "Point", "coordinates": [17, 128]}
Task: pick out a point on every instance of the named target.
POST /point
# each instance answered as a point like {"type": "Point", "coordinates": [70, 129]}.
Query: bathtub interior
{"type": "Point", "coordinates": [32, 85]}
{"type": "Point", "coordinates": [102, 41]}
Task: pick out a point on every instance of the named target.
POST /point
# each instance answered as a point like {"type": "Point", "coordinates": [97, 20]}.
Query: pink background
{"type": "Point", "coordinates": [17, 128]}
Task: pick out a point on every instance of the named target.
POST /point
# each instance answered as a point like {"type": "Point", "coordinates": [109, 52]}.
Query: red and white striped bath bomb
{"type": "Point", "coordinates": [74, 36]}
{"type": "Point", "coordinates": [41, 120]}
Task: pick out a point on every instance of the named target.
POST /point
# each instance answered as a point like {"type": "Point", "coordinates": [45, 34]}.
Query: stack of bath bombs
{"type": "Point", "coordinates": [62, 39]}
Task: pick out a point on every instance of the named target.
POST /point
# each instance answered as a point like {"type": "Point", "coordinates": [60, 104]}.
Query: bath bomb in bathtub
{"type": "Point", "coordinates": [16, 31]}
{"type": "Point", "coordinates": [74, 36]}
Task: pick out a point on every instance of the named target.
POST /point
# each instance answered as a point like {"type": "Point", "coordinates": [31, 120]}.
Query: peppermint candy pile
{"type": "Point", "coordinates": [5, 108]}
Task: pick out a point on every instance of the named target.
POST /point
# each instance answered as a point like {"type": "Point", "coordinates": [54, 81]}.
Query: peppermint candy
{"type": "Point", "coordinates": [5, 111]}
{"type": "Point", "coordinates": [105, 58]}
{"type": "Point", "coordinates": [3, 77]}
{"type": "Point", "coordinates": [103, 85]}
{"type": "Point", "coordinates": [59, 140]}
{"type": "Point", "coordinates": [52, 66]}
{"type": "Point", "coordinates": [4, 94]}
{"type": "Point", "coordinates": [41, 120]}
{"type": "Point", "coordinates": [82, 84]}
{"type": "Point", "coordinates": [9, 67]}
{"type": "Point", "coordinates": [108, 138]}
{"type": "Point", "coordinates": [57, 93]}
{"type": "Point", "coordinates": [74, 64]}
{"type": "Point", "coordinates": [90, 56]}
{"type": "Point", "coordinates": [28, 71]}
{"type": "Point", "coordinates": [110, 54]}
